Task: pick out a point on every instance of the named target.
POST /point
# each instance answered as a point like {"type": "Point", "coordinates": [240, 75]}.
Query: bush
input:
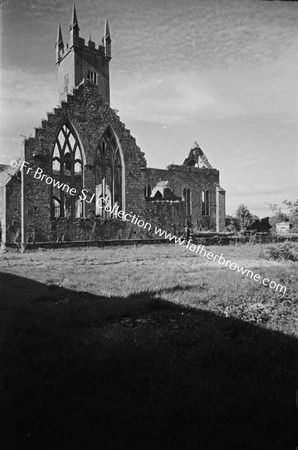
{"type": "Point", "coordinates": [285, 252]}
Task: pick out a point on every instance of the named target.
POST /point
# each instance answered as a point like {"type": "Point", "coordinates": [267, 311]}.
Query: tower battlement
{"type": "Point", "coordinates": [78, 60]}
{"type": "Point", "coordinates": [90, 46]}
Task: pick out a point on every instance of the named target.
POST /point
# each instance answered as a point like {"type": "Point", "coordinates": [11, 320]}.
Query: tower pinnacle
{"type": "Point", "coordinates": [107, 41]}
{"type": "Point", "coordinates": [59, 36]}
{"type": "Point", "coordinates": [81, 60]}
{"type": "Point", "coordinates": [59, 45]}
{"type": "Point", "coordinates": [107, 35]}
{"type": "Point", "coordinates": [74, 19]}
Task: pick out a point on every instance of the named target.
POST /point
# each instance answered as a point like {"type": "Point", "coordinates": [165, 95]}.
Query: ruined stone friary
{"type": "Point", "coordinates": [84, 145]}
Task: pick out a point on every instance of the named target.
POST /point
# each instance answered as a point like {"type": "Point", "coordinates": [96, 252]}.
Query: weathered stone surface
{"type": "Point", "coordinates": [154, 195]}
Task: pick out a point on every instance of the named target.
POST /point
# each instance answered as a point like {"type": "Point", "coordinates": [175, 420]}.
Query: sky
{"type": "Point", "coordinates": [223, 73]}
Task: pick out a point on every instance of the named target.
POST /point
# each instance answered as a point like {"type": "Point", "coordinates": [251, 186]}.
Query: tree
{"type": "Point", "coordinates": [293, 213]}
{"type": "Point", "coordinates": [254, 226]}
{"type": "Point", "coordinates": [277, 217]}
{"type": "Point", "coordinates": [264, 225]}
{"type": "Point", "coordinates": [230, 223]}
{"type": "Point", "coordinates": [243, 218]}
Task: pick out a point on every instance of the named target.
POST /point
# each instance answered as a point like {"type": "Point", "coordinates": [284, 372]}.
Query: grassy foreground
{"type": "Point", "coordinates": [150, 347]}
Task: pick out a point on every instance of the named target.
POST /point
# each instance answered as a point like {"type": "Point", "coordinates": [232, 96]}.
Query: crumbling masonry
{"type": "Point", "coordinates": [84, 144]}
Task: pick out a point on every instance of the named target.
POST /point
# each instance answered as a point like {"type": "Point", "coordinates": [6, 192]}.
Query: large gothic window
{"type": "Point", "coordinates": [67, 168]}
{"type": "Point", "coordinates": [109, 174]}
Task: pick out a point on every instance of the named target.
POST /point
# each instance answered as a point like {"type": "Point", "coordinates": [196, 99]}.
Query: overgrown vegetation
{"type": "Point", "coordinates": [291, 216]}
{"type": "Point", "coordinates": [147, 347]}
{"type": "Point", "coordinates": [281, 252]}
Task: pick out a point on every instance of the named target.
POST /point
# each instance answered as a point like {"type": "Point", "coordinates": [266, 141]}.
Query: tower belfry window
{"type": "Point", "coordinates": [67, 170]}
{"type": "Point", "coordinates": [93, 76]}
{"type": "Point", "coordinates": [82, 60]}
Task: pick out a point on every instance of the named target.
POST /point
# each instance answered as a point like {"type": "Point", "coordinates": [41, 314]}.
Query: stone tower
{"type": "Point", "coordinates": [77, 61]}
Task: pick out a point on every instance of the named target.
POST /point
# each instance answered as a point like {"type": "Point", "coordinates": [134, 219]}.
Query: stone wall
{"type": "Point", "coordinates": [166, 215]}
{"type": "Point", "coordinates": [88, 117]}
{"type": "Point", "coordinates": [220, 209]}
{"type": "Point", "coordinates": [195, 179]}
{"type": "Point", "coordinates": [13, 208]}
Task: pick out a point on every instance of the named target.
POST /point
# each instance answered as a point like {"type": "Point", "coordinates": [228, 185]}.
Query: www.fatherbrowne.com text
{"type": "Point", "coordinates": [134, 219]}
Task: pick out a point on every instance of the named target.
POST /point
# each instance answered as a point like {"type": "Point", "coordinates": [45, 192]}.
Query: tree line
{"type": "Point", "coordinates": [244, 221]}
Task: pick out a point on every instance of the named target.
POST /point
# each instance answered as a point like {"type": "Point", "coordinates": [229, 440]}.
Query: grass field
{"type": "Point", "coordinates": [151, 347]}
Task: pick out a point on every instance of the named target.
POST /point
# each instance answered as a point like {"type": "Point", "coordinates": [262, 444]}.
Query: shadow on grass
{"type": "Point", "coordinates": [81, 371]}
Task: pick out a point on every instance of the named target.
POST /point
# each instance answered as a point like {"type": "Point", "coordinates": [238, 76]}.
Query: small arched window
{"type": "Point", "coordinates": [158, 195]}
{"type": "Point", "coordinates": [187, 200]}
{"type": "Point", "coordinates": [67, 169]}
{"type": "Point", "coordinates": [205, 203]}
{"type": "Point", "coordinates": [147, 191]}
{"type": "Point", "coordinates": [56, 161]}
{"type": "Point", "coordinates": [78, 167]}
{"type": "Point", "coordinates": [56, 207]}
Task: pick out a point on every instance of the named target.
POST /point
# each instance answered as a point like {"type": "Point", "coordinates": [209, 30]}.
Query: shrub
{"type": "Point", "coordinates": [285, 252]}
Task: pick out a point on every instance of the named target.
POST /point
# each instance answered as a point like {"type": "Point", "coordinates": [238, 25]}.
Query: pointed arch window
{"type": "Point", "coordinates": [109, 174]}
{"type": "Point", "coordinates": [67, 169]}
{"type": "Point", "coordinates": [205, 203]}
{"type": "Point", "coordinates": [187, 200]}
{"type": "Point", "coordinates": [56, 207]}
